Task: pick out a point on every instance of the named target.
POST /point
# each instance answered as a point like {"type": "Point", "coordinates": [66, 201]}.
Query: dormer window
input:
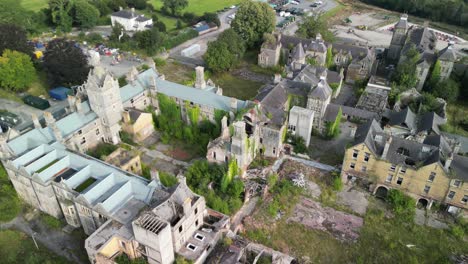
{"type": "Point", "coordinates": [199, 237]}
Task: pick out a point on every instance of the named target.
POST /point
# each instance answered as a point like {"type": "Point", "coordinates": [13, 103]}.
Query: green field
{"type": "Point", "coordinates": [34, 5]}
{"type": "Point", "coordinates": [201, 6]}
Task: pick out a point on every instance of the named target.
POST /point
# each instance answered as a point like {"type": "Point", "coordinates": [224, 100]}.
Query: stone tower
{"type": "Point", "coordinates": [200, 82]}
{"type": "Point", "coordinates": [398, 39]}
{"type": "Point", "coordinates": [447, 58]}
{"type": "Point", "coordinates": [104, 99]}
{"type": "Point", "coordinates": [318, 100]}
{"type": "Point", "coordinates": [239, 144]}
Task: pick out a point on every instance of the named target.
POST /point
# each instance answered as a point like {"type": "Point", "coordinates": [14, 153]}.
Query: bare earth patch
{"type": "Point", "coordinates": [354, 200]}
{"type": "Point", "coordinates": [341, 225]}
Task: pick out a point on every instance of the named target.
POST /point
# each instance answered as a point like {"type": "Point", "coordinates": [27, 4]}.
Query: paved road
{"type": "Point", "coordinates": [326, 6]}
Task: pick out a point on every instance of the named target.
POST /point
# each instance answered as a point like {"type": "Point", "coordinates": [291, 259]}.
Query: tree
{"type": "Point", "coordinates": [175, 6]}
{"type": "Point", "coordinates": [65, 64]}
{"type": "Point", "coordinates": [218, 57]}
{"type": "Point", "coordinates": [150, 40]}
{"type": "Point", "coordinates": [16, 70]}
{"type": "Point", "coordinates": [14, 38]}
{"type": "Point", "coordinates": [211, 18]}
{"type": "Point", "coordinates": [60, 12]}
{"type": "Point", "coordinates": [102, 6]}
{"type": "Point", "coordinates": [447, 89]}
{"type": "Point", "coordinates": [313, 25]}
{"type": "Point", "coordinates": [435, 76]}
{"type": "Point", "coordinates": [252, 20]}
{"type": "Point", "coordinates": [235, 43]}
{"type": "Point", "coordinates": [86, 15]}
{"type": "Point", "coordinates": [329, 59]}
{"type": "Point", "coordinates": [138, 4]}
{"type": "Point", "coordinates": [404, 76]}
{"type": "Point", "coordinates": [333, 129]}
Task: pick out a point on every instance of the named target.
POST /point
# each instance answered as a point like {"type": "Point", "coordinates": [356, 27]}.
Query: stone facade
{"type": "Point", "coordinates": [424, 40]}
{"type": "Point", "coordinates": [424, 169]}
{"type": "Point", "coordinates": [300, 123]}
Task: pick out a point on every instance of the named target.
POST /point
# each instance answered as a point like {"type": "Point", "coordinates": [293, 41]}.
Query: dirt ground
{"type": "Point", "coordinates": [341, 225]}
{"type": "Point", "coordinates": [353, 199]}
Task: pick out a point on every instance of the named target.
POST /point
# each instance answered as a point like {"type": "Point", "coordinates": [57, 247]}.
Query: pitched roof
{"type": "Point", "coordinates": [204, 97]}
{"type": "Point", "coordinates": [125, 14]}
{"type": "Point", "coordinates": [403, 22]}
{"type": "Point", "coordinates": [299, 52]}
{"type": "Point", "coordinates": [403, 118]}
{"type": "Point", "coordinates": [430, 122]}
{"type": "Point", "coordinates": [448, 54]}
{"type": "Point", "coordinates": [322, 90]}
{"type": "Point", "coordinates": [274, 103]}
{"type": "Point", "coordinates": [332, 111]}
{"type": "Point", "coordinates": [460, 167]}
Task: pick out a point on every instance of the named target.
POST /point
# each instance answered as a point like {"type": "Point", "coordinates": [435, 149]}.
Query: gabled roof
{"type": "Point", "coordinates": [403, 22]}
{"type": "Point", "coordinates": [366, 134]}
{"type": "Point", "coordinates": [460, 167]}
{"type": "Point", "coordinates": [125, 14]}
{"type": "Point", "coordinates": [274, 103]}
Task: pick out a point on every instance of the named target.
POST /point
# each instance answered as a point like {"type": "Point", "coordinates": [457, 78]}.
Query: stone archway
{"type": "Point", "coordinates": [381, 192]}
{"type": "Point", "coordinates": [422, 203]}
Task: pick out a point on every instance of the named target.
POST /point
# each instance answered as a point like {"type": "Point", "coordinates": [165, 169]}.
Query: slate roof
{"type": "Point", "coordinates": [430, 122]}
{"type": "Point", "coordinates": [322, 91]}
{"type": "Point", "coordinates": [434, 149]}
{"type": "Point", "coordinates": [448, 54]}
{"type": "Point", "coordinates": [197, 96]}
{"type": "Point", "coordinates": [356, 52]}
{"type": "Point", "coordinates": [125, 14]}
{"type": "Point", "coordinates": [405, 118]}
{"type": "Point", "coordinates": [332, 111]}
{"type": "Point", "coordinates": [274, 103]}
{"type": "Point", "coordinates": [299, 52]}
{"type": "Point", "coordinates": [423, 39]}
{"type": "Point", "coordinates": [366, 133]}
{"type": "Point", "coordinates": [460, 167]}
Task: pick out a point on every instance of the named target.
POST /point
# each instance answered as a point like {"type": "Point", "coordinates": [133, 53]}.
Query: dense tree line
{"type": "Point", "coordinates": [226, 52]}
{"type": "Point", "coordinates": [449, 11]}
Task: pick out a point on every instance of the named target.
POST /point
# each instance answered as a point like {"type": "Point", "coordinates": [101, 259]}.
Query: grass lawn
{"type": "Point", "coordinates": [17, 247]}
{"type": "Point", "coordinates": [34, 5]}
{"type": "Point", "coordinates": [236, 87]}
{"type": "Point", "coordinates": [201, 6]}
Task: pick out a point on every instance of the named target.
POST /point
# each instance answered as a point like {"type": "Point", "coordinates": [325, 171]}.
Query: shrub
{"type": "Point", "coordinates": [457, 231]}
{"type": "Point", "coordinates": [167, 179]}
{"type": "Point", "coordinates": [102, 150]}
{"type": "Point", "coordinates": [159, 62]}
{"type": "Point", "coordinates": [402, 205]}
{"type": "Point", "coordinates": [337, 183]}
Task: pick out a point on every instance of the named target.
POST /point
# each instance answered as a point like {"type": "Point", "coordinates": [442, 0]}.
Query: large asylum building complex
{"type": "Point", "coordinates": [122, 212]}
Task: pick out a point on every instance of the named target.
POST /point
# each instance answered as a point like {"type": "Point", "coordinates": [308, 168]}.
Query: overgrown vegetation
{"type": "Point", "coordinates": [197, 133]}
{"type": "Point", "coordinates": [222, 191]}
{"type": "Point", "coordinates": [102, 150]}
{"type": "Point", "coordinates": [402, 205]}
{"type": "Point", "coordinates": [167, 179]}
{"type": "Point", "coordinates": [333, 128]}
{"type": "Point", "coordinates": [10, 204]}
{"type": "Point", "coordinates": [298, 142]}
{"type": "Point", "coordinates": [284, 195]}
